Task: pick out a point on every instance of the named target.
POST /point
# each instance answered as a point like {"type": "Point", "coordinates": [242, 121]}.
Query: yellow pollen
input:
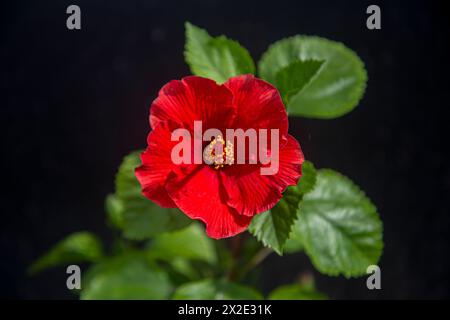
{"type": "Point", "coordinates": [219, 152]}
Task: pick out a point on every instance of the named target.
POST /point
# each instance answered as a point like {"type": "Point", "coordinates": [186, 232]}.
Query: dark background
{"type": "Point", "coordinates": [73, 103]}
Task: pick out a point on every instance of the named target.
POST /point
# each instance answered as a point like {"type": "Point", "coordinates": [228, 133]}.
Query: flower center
{"type": "Point", "coordinates": [219, 152]}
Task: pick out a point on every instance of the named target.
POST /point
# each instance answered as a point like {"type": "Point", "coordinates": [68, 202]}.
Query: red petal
{"type": "Point", "coordinates": [157, 164]}
{"type": "Point", "coordinates": [193, 98]}
{"type": "Point", "coordinates": [201, 196]}
{"type": "Point", "coordinates": [251, 193]}
{"type": "Point", "coordinates": [258, 104]}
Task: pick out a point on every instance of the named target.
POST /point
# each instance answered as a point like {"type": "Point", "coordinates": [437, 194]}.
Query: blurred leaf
{"type": "Point", "coordinates": [215, 290]}
{"type": "Point", "coordinates": [215, 58]}
{"type": "Point", "coordinates": [339, 226]}
{"type": "Point", "coordinates": [291, 79]}
{"type": "Point", "coordinates": [182, 271]}
{"type": "Point", "coordinates": [273, 227]}
{"type": "Point", "coordinates": [114, 209]}
{"type": "Point", "coordinates": [141, 217]}
{"type": "Point", "coordinates": [189, 243]}
{"type": "Point", "coordinates": [124, 277]}
{"type": "Point", "coordinates": [75, 248]}
{"type": "Point", "coordinates": [250, 247]}
{"type": "Point", "coordinates": [296, 291]}
{"type": "Point", "coordinates": [293, 244]}
{"type": "Point", "coordinates": [224, 257]}
{"type": "Point", "coordinates": [333, 91]}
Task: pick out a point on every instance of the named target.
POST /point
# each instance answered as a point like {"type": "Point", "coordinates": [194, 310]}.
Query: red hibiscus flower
{"type": "Point", "coordinates": [224, 197]}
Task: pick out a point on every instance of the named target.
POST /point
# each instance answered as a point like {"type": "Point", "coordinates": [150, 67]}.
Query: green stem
{"type": "Point", "coordinates": [256, 260]}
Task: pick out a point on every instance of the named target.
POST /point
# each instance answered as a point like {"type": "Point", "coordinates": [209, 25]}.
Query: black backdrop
{"type": "Point", "coordinates": [74, 103]}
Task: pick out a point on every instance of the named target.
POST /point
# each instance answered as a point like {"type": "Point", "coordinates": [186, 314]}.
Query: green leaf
{"type": "Point", "coordinates": [308, 179]}
{"type": "Point", "coordinates": [273, 227]}
{"type": "Point", "coordinates": [293, 244]}
{"type": "Point", "coordinates": [339, 226]}
{"type": "Point", "coordinates": [182, 271]}
{"type": "Point", "coordinates": [291, 79]}
{"type": "Point", "coordinates": [141, 217]}
{"type": "Point", "coordinates": [114, 209]}
{"type": "Point", "coordinates": [304, 289]}
{"type": "Point", "coordinates": [306, 184]}
{"type": "Point", "coordinates": [75, 248]}
{"type": "Point", "coordinates": [189, 243]}
{"type": "Point", "coordinates": [333, 91]}
{"type": "Point", "coordinates": [215, 290]}
{"type": "Point", "coordinates": [296, 292]}
{"type": "Point", "coordinates": [125, 277]}
{"type": "Point", "coordinates": [225, 258]}
{"type": "Point", "coordinates": [215, 58]}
